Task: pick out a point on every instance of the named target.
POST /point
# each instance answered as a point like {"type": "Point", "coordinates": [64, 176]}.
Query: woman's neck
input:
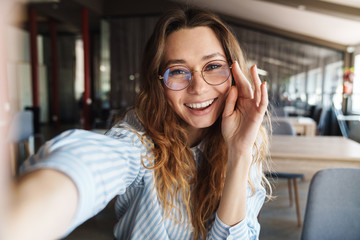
{"type": "Point", "coordinates": [195, 135]}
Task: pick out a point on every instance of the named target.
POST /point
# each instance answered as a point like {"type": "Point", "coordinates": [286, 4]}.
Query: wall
{"type": "Point", "coordinates": [19, 73]}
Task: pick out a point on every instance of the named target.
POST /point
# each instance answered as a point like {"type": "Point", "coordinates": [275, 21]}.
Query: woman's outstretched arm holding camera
{"type": "Point", "coordinates": [69, 180]}
{"type": "Point", "coordinates": [42, 204]}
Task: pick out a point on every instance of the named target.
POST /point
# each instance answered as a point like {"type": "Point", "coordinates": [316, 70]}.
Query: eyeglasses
{"type": "Point", "coordinates": [178, 77]}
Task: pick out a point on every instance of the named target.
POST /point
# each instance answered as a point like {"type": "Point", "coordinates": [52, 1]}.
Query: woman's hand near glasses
{"type": "Point", "coordinates": [244, 111]}
{"type": "Point", "coordinates": [242, 117]}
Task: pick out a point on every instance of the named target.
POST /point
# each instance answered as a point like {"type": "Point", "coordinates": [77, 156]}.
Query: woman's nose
{"type": "Point", "coordinates": [198, 84]}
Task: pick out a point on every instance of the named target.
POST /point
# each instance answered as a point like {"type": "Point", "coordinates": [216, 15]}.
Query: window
{"type": "Point", "coordinates": [356, 86]}
{"type": "Point", "coordinates": [333, 84]}
{"type": "Point", "coordinates": [314, 86]}
{"type": "Point", "coordinates": [79, 74]}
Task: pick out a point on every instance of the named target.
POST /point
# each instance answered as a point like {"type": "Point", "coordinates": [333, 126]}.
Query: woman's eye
{"type": "Point", "coordinates": [175, 72]}
{"type": "Point", "coordinates": [212, 67]}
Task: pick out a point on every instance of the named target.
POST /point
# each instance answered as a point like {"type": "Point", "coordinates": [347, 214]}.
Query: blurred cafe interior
{"type": "Point", "coordinates": [75, 64]}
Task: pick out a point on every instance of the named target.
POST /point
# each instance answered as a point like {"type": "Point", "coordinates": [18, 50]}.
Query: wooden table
{"type": "Point", "coordinates": [309, 154]}
{"type": "Point", "coordinates": [303, 125]}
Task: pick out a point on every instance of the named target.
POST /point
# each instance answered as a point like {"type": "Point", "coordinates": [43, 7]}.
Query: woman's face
{"type": "Point", "coordinates": [200, 104]}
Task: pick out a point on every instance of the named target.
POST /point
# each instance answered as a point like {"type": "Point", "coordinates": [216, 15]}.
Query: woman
{"type": "Point", "coordinates": [185, 164]}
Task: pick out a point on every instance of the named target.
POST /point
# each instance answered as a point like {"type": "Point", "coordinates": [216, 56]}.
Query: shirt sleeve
{"type": "Point", "coordinates": [249, 227]}
{"type": "Point", "coordinates": [100, 166]}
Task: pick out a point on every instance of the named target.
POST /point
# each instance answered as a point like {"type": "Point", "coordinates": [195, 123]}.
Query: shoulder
{"type": "Point", "coordinates": [130, 128]}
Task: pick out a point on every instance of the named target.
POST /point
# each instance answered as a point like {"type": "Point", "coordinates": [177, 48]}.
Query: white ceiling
{"type": "Point", "coordinates": [351, 3]}
{"type": "Point", "coordinates": [317, 25]}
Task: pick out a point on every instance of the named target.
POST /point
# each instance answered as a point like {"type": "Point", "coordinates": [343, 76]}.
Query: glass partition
{"type": "Point", "coordinates": [299, 74]}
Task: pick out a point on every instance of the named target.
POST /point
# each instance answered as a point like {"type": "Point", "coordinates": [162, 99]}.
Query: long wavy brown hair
{"type": "Point", "coordinates": [177, 175]}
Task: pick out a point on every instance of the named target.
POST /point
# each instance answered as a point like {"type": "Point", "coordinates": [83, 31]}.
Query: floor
{"type": "Point", "coordinates": [277, 219]}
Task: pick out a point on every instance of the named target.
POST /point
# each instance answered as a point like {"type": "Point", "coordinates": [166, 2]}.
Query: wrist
{"type": "Point", "coordinates": [239, 161]}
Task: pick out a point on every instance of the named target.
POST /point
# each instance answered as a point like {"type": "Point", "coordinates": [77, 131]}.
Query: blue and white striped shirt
{"type": "Point", "coordinates": [103, 167]}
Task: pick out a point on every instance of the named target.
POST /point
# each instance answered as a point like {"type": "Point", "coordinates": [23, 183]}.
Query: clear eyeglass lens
{"type": "Point", "coordinates": [177, 77]}
{"type": "Point", "coordinates": [216, 72]}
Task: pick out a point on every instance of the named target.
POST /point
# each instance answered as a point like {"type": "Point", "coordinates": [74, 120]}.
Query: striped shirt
{"type": "Point", "coordinates": [105, 166]}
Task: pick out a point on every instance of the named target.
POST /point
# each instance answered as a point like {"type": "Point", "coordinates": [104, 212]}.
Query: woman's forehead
{"type": "Point", "coordinates": [192, 44]}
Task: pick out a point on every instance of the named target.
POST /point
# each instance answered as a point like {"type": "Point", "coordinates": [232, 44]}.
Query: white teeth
{"type": "Point", "coordinates": [200, 105]}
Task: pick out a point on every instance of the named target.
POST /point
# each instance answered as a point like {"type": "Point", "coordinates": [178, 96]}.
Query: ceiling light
{"type": "Point", "coordinates": [262, 72]}
{"type": "Point", "coordinates": [102, 68]}
{"type": "Point", "coordinates": [301, 7]}
{"type": "Point", "coordinates": [43, 1]}
{"type": "Point", "coordinates": [350, 49]}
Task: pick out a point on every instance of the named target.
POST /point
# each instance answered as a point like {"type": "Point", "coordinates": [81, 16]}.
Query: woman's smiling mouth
{"type": "Point", "coordinates": [200, 106]}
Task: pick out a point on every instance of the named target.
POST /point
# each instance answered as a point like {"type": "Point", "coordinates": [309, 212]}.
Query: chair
{"type": "Point", "coordinates": [333, 205]}
{"type": "Point", "coordinates": [317, 114]}
{"type": "Point", "coordinates": [282, 128]}
{"type": "Point", "coordinates": [285, 128]}
{"type": "Point", "coordinates": [341, 121]}
{"type": "Point", "coordinates": [278, 112]}
{"type": "Point", "coordinates": [20, 131]}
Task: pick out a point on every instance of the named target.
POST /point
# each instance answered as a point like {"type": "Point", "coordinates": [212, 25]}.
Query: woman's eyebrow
{"type": "Point", "coordinates": [217, 54]}
{"type": "Point", "coordinates": [204, 58]}
{"type": "Point", "coordinates": [174, 61]}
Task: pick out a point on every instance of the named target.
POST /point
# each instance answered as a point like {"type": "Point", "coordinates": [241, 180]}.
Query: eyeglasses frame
{"type": "Point", "coordinates": [161, 77]}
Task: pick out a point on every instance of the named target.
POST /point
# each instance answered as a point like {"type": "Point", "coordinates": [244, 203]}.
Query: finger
{"type": "Point", "coordinates": [230, 102]}
{"type": "Point", "coordinates": [243, 85]}
{"type": "Point", "coordinates": [257, 82]}
{"type": "Point", "coordinates": [264, 98]}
